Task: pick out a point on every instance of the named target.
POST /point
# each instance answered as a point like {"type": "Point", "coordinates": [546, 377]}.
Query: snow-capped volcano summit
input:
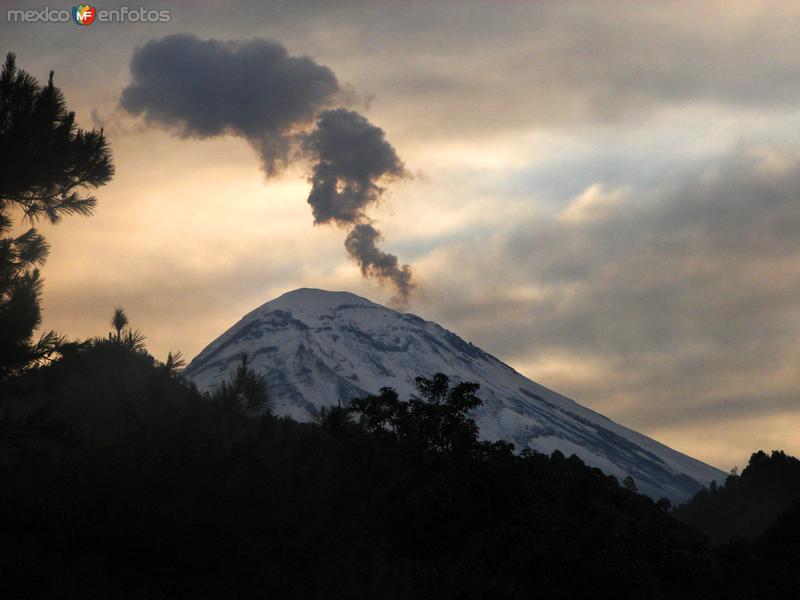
{"type": "Point", "coordinates": [318, 348]}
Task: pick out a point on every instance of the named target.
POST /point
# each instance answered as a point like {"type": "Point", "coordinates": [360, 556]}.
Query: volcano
{"type": "Point", "coordinates": [319, 348]}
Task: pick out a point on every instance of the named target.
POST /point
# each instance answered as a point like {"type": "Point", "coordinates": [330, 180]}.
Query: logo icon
{"type": "Point", "coordinates": [83, 14]}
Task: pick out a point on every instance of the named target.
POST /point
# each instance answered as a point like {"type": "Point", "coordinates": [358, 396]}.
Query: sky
{"type": "Point", "coordinates": [604, 195]}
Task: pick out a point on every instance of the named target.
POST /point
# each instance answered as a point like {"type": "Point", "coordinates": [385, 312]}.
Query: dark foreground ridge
{"type": "Point", "coordinates": [121, 481]}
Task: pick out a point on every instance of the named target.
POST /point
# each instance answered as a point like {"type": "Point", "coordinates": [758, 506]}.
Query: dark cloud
{"type": "Point", "coordinates": [256, 90]}
{"type": "Point", "coordinates": [352, 156]}
{"type": "Point", "coordinates": [361, 244]}
{"type": "Point", "coordinates": [205, 88]}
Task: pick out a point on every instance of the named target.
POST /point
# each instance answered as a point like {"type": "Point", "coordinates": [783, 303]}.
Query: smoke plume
{"type": "Point", "coordinates": [256, 90]}
{"type": "Point", "coordinates": [361, 244]}
{"type": "Point", "coordinates": [206, 88]}
{"type": "Point", "coordinates": [352, 156]}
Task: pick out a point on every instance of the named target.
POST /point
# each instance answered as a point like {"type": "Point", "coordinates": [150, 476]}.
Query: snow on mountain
{"type": "Point", "coordinates": [318, 347]}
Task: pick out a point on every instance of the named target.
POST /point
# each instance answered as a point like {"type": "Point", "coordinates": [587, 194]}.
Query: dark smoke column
{"type": "Point", "coordinates": [352, 157]}
{"type": "Point", "coordinates": [208, 88]}
{"type": "Point", "coordinates": [254, 89]}
{"type": "Point", "coordinates": [361, 243]}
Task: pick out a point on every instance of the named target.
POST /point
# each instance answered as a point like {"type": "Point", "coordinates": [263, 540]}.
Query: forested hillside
{"type": "Point", "coordinates": [122, 481]}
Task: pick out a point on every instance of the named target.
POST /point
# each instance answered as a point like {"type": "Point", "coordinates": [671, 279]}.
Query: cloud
{"type": "Point", "coordinates": [256, 90]}
{"type": "Point", "coordinates": [680, 299]}
{"type": "Point", "coordinates": [560, 65]}
{"type": "Point", "coordinates": [206, 88]}
{"type": "Point", "coordinates": [592, 204]}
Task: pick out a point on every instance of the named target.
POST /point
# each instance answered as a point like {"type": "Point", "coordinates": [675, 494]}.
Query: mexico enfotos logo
{"type": "Point", "coordinates": [85, 14]}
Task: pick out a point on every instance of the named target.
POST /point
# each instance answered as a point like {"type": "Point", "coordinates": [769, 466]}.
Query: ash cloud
{"type": "Point", "coordinates": [352, 157]}
{"type": "Point", "coordinates": [206, 88]}
{"type": "Point", "coordinates": [362, 244]}
{"type": "Point", "coordinates": [256, 90]}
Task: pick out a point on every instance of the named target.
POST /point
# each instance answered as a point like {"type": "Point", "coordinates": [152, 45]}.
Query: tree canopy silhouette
{"type": "Point", "coordinates": [245, 390]}
{"type": "Point", "coordinates": [169, 493]}
{"type": "Point", "coordinates": [47, 166]}
{"type": "Point", "coordinates": [438, 420]}
{"type": "Point", "coordinates": [746, 504]}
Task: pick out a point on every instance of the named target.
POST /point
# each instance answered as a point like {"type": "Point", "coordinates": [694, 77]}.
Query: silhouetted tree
{"type": "Point", "coordinates": [335, 419]}
{"type": "Point", "coordinates": [119, 321]}
{"type": "Point", "coordinates": [437, 421]}
{"type": "Point", "coordinates": [380, 414]}
{"type": "Point", "coordinates": [245, 390]}
{"type": "Point", "coordinates": [123, 337]}
{"type": "Point", "coordinates": [46, 164]}
{"type": "Point", "coordinates": [747, 503]}
{"type": "Point", "coordinates": [174, 363]}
